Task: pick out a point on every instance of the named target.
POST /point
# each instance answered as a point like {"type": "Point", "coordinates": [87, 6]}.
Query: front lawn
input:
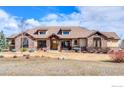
{"type": "Point", "coordinates": [45, 66]}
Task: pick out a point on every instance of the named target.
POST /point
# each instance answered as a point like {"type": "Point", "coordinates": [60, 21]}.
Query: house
{"type": "Point", "coordinates": [122, 44]}
{"type": "Point", "coordinates": [63, 38]}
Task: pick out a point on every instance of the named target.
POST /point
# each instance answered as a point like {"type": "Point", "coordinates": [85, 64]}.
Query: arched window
{"type": "Point", "coordinates": [25, 43]}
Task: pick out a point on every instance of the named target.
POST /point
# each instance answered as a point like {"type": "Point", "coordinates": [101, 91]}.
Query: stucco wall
{"type": "Point", "coordinates": [112, 43]}
{"type": "Point", "coordinates": [83, 42]}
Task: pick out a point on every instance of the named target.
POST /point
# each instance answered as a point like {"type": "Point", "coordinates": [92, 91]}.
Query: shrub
{"type": "Point", "coordinates": [42, 56]}
{"type": "Point", "coordinates": [13, 50]}
{"type": "Point", "coordinates": [0, 50]}
{"type": "Point", "coordinates": [27, 56]}
{"type": "Point", "coordinates": [24, 49]}
{"type": "Point", "coordinates": [44, 49]}
{"type": "Point", "coordinates": [15, 56]}
{"type": "Point", "coordinates": [5, 50]}
{"type": "Point", "coordinates": [37, 56]}
{"type": "Point", "coordinates": [91, 50]}
{"type": "Point", "coordinates": [1, 56]}
{"type": "Point", "coordinates": [117, 56]}
{"type": "Point", "coordinates": [105, 50]}
{"type": "Point", "coordinates": [32, 50]}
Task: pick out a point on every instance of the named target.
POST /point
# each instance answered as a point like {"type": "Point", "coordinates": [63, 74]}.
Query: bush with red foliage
{"type": "Point", "coordinates": [117, 56]}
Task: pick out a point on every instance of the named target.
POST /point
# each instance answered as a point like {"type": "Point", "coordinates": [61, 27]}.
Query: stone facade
{"type": "Point", "coordinates": [18, 42]}
{"type": "Point", "coordinates": [82, 42]}
{"type": "Point", "coordinates": [90, 42]}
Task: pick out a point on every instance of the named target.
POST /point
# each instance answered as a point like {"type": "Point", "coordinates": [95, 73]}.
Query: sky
{"type": "Point", "coordinates": [107, 19]}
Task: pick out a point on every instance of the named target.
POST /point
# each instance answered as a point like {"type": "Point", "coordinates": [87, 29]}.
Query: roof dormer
{"type": "Point", "coordinates": [64, 31]}
{"type": "Point", "coordinates": [41, 32]}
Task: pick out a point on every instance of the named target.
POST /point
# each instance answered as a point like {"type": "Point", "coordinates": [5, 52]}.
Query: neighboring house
{"type": "Point", "coordinates": [122, 44]}
{"type": "Point", "coordinates": [63, 37]}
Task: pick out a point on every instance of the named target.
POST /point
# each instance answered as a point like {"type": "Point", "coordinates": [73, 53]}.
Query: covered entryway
{"type": "Point", "coordinates": [54, 42]}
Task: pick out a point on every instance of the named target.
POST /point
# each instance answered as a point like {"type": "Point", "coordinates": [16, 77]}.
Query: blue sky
{"type": "Point", "coordinates": [94, 18]}
{"type": "Point", "coordinates": [36, 12]}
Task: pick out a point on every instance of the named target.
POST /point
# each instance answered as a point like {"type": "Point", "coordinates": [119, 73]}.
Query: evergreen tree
{"type": "Point", "coordinates": [3, 41]}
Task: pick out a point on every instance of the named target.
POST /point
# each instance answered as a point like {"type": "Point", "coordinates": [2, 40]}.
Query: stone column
{"type": "Point", "coordinates": [48, 44]}
{"type": "Point", "coordinates": [35, 44]}
{"type": "Point", "coordinates": [59, 45]}
{"type": "Point", "coordinates": [81, 42]}
{"type": "Point", "coordinates": [72, 42]}
{"type": "Point", "coordinates": [18, 43]}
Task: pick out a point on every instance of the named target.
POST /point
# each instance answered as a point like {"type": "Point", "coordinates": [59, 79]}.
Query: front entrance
{"type": "Point", "coordinates": [54, 44]}
{"type": "Point", "coordinates": [97, 42]}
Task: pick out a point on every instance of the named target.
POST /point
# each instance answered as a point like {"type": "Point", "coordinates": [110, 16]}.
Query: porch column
{"type": "Point", "coordinates": [81, 42]}
{"type": "Point", "coordinates": [59, 45]}
{"type": "Point", "coordinates": [18, 43]}
{"type": "Point", "coordinates": [72, 42]}
{"type": "Point", "coordinates": [35, 44]}
{"type": "Point", "coordinates": [48, 44]}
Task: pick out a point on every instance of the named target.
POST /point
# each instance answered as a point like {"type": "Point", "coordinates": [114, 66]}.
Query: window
{"type": "Point", "coordinates": [75, 42]}
{"type": "Point", "coordinates": [66, 44]}
{"type": "Point", "coordinates": [25, 43]}
{"type": "Point", "coordinates": [41, 43]}
{"type": "Point", "coordinates": [65, 32]}
{"type": "Point", "coordinates": [13, 42]}
{"type": "Point", "coordinates": [42, 32]}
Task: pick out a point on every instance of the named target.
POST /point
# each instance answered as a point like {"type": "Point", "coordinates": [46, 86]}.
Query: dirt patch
{"type": "Point", "coordinates": [44, 66]}
{"type": "Point", "coordinates": [61, 55]}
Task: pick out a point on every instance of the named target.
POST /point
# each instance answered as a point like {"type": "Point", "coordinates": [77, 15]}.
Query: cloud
{"type": "Point", "coordinates": [50, 17]}
{"type": "Point", "coordinates": [31, 23]}
{"type": "Point", "coordinates": [103, 18]}
{"type": "Point", "coordinates": [8, 23]}
{"type": "Point", "coordinates": [97, 18]}
{"type": "Point", "coordinates": [61, 19]}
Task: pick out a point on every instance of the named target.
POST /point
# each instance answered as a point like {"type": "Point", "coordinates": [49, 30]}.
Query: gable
{"type": "Point", "coordinates": [24, 34]}
{"type": "Point", "coordinates": [54, 36]}
{"type": "Point", "coordinates": [97, 34]}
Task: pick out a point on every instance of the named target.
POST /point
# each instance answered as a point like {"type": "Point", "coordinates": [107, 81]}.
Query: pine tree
{"type": "Point", "coordinates": [3, 41]}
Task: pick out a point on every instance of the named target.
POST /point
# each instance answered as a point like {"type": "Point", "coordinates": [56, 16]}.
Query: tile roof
{"type": "Point", "coordinates": [75, 32]}
{"type": "Point", "coordinates": [111, 35]}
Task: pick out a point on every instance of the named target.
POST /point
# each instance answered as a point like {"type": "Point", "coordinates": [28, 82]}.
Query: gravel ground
{"type": "Point", "coordinates": [45, 66]}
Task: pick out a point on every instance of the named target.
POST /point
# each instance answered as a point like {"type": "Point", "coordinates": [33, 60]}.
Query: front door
{"type": "Point", "coordinates": [97, 42]}
{"type": "Point", "coordinates": [54, 44]}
